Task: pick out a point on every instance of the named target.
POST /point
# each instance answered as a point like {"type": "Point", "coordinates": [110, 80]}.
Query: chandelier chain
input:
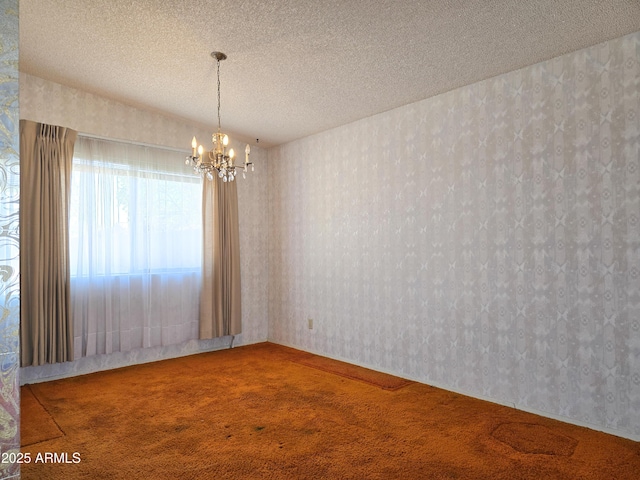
{"type": "Point", "coordinates": [218, 61]}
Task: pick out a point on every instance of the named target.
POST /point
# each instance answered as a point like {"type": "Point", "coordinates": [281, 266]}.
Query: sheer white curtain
{"type": "Point", "coordinates": [136, 247]}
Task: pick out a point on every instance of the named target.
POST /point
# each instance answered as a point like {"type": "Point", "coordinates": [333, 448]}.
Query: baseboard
{"type": "Point", "coordinates": [99, 363]}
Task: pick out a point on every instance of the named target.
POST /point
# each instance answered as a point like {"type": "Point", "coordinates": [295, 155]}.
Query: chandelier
{"type": "Point", "coordinates": [218, 162]}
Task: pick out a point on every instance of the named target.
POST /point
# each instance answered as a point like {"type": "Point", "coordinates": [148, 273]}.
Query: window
{"type": "Point", "coordinates": [135, 236]}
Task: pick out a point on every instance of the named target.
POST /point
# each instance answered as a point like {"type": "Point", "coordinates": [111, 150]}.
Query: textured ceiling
{"type": "Point", "coordinates": [299, 67]}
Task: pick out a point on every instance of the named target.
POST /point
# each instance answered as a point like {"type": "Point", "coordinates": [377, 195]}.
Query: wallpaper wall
{"type": "Point", "coordinates": [45, 101]}
{"type": "Point", "coordinates": [9, 243]}
{"type": "Point", "coordinates": [486, 240]}
{"type": "Point", "coordinates": [50, 102]}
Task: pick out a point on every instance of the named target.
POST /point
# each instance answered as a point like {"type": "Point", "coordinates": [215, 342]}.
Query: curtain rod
{"type": "Point", "coordinates": [131, 142]}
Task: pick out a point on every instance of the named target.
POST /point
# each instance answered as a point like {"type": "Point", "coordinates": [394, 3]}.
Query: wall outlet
{"type": "Point", "coordinates": [311, 324]}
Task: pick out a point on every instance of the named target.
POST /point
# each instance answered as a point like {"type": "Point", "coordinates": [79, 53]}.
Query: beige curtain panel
{"type": "Point", "coordinates": [220, 305]}
{"type": "Point", "coordinates": [46, 332]}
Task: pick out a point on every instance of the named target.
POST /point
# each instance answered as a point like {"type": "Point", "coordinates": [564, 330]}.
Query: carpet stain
{"type": "Point", "coordinates": [532, 438]}
{"type": "Point", "coordinates": [353, 372]}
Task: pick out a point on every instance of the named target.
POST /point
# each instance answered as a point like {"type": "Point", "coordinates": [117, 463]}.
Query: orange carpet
{"type": "Point", "coordinates": [39, 426]}
{"type": "Point", "coordinates": [379, 379]}
{"type": "Point", "coordinates": [253, 413]}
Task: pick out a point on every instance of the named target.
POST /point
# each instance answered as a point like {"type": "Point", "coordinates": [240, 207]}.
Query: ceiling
{"type": "Point", "coordinates": [297, 67]}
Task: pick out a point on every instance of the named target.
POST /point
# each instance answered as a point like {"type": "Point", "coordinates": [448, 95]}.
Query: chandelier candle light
{"type": "Point", "coordinates": [218, 161]}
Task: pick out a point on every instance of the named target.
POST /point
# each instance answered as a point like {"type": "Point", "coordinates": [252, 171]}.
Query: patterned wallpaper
{"type": "Point", "coordinates": [9, 240]}
{"type": "Point", "coordinates": [486, 240]}
{"type": "Point", "coordinates": [49, 102]}
{"type": "Point", "coordinates": [45, 101]}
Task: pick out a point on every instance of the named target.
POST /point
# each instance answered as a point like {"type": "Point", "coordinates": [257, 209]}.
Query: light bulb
{"type": "Point", "coordinates": [247, 149]}
{"type": "Point", "coordinates": [232, 154]}
{"type": "Point", "coordinates": [200, 150]}
{"type": "Point", "coordinates": [194, 145]}
{"type": "Point", "coordinates": [225, 140]}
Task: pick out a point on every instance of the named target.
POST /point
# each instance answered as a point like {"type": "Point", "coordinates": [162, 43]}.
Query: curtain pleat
{"type": "Point", "coordinates": [46, 331]}
{"type": "Point", "coordinates": [220, 300]}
